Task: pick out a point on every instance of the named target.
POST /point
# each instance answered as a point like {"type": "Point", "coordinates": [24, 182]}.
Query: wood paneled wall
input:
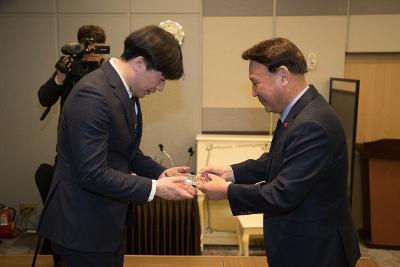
{"type": "Point", "coordinates": [379, 108]}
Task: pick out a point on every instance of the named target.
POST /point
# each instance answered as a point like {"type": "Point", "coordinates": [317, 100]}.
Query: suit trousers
{"type": "Point", "coordinates": [76, 258]}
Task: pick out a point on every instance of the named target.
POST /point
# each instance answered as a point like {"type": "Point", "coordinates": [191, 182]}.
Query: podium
{"type": "Point", "coordinates": [380, 163]}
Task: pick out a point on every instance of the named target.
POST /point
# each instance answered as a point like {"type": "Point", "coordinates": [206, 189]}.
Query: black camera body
{"type": "Point", "coordinates": [79, 66]}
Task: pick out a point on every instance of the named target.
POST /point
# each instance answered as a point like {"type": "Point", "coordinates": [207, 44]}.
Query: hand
{"type": "Point", "coordinates": [63, 65]}
{"type": "Point", "coordinates": [216, 188]}
{"type": "Point", "coordinates": [225, 172]}
{"type": "Point", "coordinates": [174, 188]}
{"type": "Point", "coordinates": [60, 78]}
{"type": "Point", "coordinates": [175, 171]}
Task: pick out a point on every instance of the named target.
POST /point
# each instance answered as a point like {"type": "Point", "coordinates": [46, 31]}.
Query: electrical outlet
{"type": "Point", "coordinates": [27, 208]}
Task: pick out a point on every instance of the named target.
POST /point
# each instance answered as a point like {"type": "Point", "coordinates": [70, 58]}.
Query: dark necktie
{"type": "Point", "coordinates": [278, 125]}
{"type": "Point", "coordinates": [276, 133]}
{"type": "Point", "coordinates": [135, 116]}
{"type": "Point", "coordinates": [275, 138]}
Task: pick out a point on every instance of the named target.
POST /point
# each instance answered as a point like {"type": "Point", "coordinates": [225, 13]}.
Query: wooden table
{"type": "Point", "coordinates": [150, 261]}
{"type": "Point", "coordinates": [165, 261]}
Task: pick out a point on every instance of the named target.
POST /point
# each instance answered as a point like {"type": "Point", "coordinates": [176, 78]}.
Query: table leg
{"type": "Point", "coordinates": [245, 240]}
{"type": "Point", "coordinates": [200, 202]}
{"type": "Point", "coordinates": [239, 235]}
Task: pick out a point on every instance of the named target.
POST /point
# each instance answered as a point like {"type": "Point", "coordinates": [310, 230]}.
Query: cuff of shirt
{"type": "Point", "coordinates": [233, 179]}
{"type": "Point", "coordinates": [153, 190]}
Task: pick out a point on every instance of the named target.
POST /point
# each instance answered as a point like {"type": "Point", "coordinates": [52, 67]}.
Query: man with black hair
{"type": "Point", "coordinates": [58, 86]}
{"type": "Point", "coordinates": [100, 167]}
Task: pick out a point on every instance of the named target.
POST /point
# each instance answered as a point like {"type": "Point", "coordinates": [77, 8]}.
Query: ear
{"type": "Point", "coordinates": [284, 73]}
{"type": "Point", "coordinates": [139, 64]}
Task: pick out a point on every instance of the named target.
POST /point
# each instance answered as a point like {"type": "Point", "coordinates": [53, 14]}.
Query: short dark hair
{"type": "Point", "coordinates": [96, 33]}
{"type": "Point", "coordinates": [277, 52]}
{"type": "Point", "coordinates": [158, 47]}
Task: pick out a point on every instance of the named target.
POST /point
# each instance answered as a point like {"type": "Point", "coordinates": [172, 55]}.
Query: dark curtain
{"type": "Point", "coordinates": [163, 227]}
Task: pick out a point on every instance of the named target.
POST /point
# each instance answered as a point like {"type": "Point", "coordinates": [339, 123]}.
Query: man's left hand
{"type": "Point", "coordinates": [175, 171]}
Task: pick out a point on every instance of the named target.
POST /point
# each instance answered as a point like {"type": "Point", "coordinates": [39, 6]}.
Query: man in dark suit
{"type": "Point", "coordinates": [301, 184]}
{"type": "Point", "coordinates": [100, 167]}
{"type": "Point", "coordinates": [58, 86]}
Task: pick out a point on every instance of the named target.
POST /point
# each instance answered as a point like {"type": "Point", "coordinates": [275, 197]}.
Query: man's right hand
{"type": "Point", "coordinates": [225, 172]}
{"type": "Point", "coordinates": [63, 66]}
{"type": "Point", "coordinates": [216, 188]}
{"type": "Point", "coordinates": [174, 188]}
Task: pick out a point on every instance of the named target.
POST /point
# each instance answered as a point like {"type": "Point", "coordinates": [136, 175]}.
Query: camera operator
{"type": "Point", "coordinates": [61, 82]}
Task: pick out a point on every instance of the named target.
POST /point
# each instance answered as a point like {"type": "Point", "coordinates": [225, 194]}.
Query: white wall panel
{"type": "Point", "coordinates": [166, 6]}
{"type": "Point", "coordinates": [116, 28]}
{"type": "Point", "coordinates": [27, 6]}
{"type": "Point", "coordinates": [28, 56]}
{"type": "Point", "coordinates": [93, 6]}
{"type": "Point", "coordinates": [225, 73]}
{"type": "Point", "coordinates": [323, 35]}
{"type": "Point", "coordinates": [374, 33]}
{"type": "Point", "coordinates": [237, 8]}
{"type": "Point", "coordinates": [173, 117]}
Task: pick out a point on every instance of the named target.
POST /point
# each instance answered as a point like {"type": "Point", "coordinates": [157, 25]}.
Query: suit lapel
{"type": "Point", "coordinates": [121, 94]}
{"type": "Point", "coordinates": [128, 109]}
{"type": "Point", "coordinates": [309, 95]}
{"type": "Point", "coordinates": [281, 132]}
{"type": "Point", "coordinates": [275, 137]}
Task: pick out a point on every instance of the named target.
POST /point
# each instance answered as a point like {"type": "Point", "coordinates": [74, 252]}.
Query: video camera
{"type": "Point", "coordinates": [79, 66]}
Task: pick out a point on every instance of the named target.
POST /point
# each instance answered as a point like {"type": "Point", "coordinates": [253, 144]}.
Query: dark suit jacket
{"type": "Point", "coordinates": [307, 220]}
{"type": "Point", "coordinates": [97, 149]}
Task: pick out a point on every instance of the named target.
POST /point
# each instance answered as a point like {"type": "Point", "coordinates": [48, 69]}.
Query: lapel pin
{"type": "Point", "coordinates": [286, 125]}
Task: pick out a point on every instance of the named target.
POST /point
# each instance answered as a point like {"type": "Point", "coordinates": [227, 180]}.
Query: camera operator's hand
{"type": "Point", "coordinates": [63, 66]}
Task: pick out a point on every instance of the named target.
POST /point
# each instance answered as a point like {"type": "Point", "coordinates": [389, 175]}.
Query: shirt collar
{"type": "Point", "coordinates": [113, 63]}
{"type": "Point", "coordinates": [291, 104]}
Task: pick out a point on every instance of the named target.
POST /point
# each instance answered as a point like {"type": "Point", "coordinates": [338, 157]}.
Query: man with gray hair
{"type": "Point", "coordinates": [301, 184]}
